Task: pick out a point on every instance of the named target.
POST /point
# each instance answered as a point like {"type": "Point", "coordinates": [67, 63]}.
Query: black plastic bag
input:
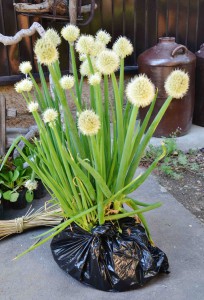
{"type": "Point", "coordinates": [114, 257]}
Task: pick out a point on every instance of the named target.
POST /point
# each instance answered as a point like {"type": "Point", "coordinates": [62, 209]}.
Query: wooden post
{"type": "Point", "coordinates": [2, 125]}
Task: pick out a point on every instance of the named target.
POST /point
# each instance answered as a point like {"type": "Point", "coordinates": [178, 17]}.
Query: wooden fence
{"type": "Point", "coordinates": [143, 21]}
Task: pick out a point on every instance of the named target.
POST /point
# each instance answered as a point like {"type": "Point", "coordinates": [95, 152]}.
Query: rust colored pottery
{"type": "Point", "coordinates": [157, 63]}
{"type": "Point", "coordinates": [198, 117]}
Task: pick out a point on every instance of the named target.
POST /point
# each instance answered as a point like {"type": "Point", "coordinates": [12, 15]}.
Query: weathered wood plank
{"type": "Point", "coordinates": [2, 125]}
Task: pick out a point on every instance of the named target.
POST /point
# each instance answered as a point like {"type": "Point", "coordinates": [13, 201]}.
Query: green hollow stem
{"type": "Point", "coordinates": [121, 84]}
{"type": "Point", "coordinates": [67, 170]}
{"type": "Point", "coordinates": [107, 124]}
{"type": "Point", "coordinates": [119, 117]}
{"type": "Point", "coordinates": [75, 100]}
{"type": "Point", "coordinates": [133, 204]}
{"type": "Point", "coordinates": [74, 68]}
{"type": "Point", "coordinates": [143, 126]}
{"type": "Point", "coordinates": [98, 166]}
{"type": "Point", "coordinates": [146, 139]}
{"type": "Point", "coordinates": [132, 213]}
{"type": "Point", "coordinates": [68, 114]}
{"type": "Point", "coordinates": [126, 150]}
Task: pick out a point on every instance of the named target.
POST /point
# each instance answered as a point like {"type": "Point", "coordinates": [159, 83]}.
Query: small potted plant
{"type": "Point", "coordinates": [16, 184]}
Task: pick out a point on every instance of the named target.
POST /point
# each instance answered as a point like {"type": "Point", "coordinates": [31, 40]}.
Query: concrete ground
{"type": "Point", "coordinates": [175, 230]}
{"type": "Point", "coordinates": [193, 140]}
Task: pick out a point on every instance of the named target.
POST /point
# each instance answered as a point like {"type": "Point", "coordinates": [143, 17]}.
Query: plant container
{"type": "Point", "coordinates": [21, 201]}
{"type": "Point", "coordinates": [157, 63]}
{"type": "Point", "coordinates": [113, 257]}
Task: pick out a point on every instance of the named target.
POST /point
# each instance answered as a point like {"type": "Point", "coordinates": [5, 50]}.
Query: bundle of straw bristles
{"type": "Point", "coordinates": [48, 215]}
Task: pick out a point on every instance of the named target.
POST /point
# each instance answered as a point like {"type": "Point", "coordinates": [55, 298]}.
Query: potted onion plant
{"type": "Point", "coordinates": [88, 159]}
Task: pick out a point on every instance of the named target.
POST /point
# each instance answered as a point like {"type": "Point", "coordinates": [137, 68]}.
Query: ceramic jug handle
{"type": "Point", "coordinates": [181, 47]}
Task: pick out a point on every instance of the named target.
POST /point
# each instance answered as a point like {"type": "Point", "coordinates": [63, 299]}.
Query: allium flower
{"type": "Point", "coordinates": [97, 48]}
{"type": "Point", "coordinates": [25, 67]}
{"type": "Point", "coordinates": [67, 82]}
{"type": "Point", "coordinates": [103, 36]}
{"type": "Point", "coordinates": [85, 69]}
{"type": "Point", "coordinates": [46, 51]}
{"type": "Point", "coordinates": [89, 122]}
{"type": "Point", "coordinates": [53, 36]}
{"type": "Point", "coordinates": [107, 62]}
{"type": "Point", "coordinates": [70, 33]}
{"type": "Point", "coordinates": [85, 44]}
{"type": "Point", "coordinates": [123, 47]}
{"type": "Point", "coordinates": [94, 79]}
{"type": "Point", "coordinates": [33, 106]}
{"type": "Point", "coordinates": [25, 85]}
{"type": "Point", "coordinates": [140, 91]}
{"type": "Point", "coordinates": [50, 115]}
{"type": "Point", "coordinates": [31, 184]}
{"type": "Point", "coordinates": [177, 84]}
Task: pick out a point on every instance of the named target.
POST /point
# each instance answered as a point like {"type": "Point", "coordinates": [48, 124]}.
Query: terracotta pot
{"type": "Point", "coordinates": [157, 63]}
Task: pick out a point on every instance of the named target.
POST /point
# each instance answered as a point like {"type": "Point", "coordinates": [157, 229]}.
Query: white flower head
{"type": "Point", "coordinates": [94, 79]}
{"type": "Point", "coordinates": [46, 51]}
{"type": "Point", "coordinates": [123, 47]}
{"type": "Point", "coordinates": [67, 82]}
{"type": "Point", "coordinates": [50, 115]}
{"type": "Point", "coordinates": [33, 106]}
{"type": "Point", "coordinates": [25, 85]}
{"type": "Point", "coordinates": [70, 33]}
{"type": "Point", "coordinates": [85, 68]}
{"type": "Point", "coordinates": [103, 37]}
{"type": "Point", "coordinates": [53, 36]}
{"type": "Point", "coordinates": [85, 44]}
{"type": "Point", "coordinates": [177, 84]}
{"type": "Point", "coordinates": [140, 91]}
{"type": "Point", "coordinates": [25, 67]}
{"type": "Point", "coordinates": [107, 62]}
{"type": "Point", "coordinates": [89, 123]}
{"type": "Point", "coordinates": [97, 48]}
{"type": "Point", "coordinates": [31, 185]}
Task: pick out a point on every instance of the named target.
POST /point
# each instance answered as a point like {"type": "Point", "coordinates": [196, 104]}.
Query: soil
{"type": "Point", "coordinates": [189, 189]}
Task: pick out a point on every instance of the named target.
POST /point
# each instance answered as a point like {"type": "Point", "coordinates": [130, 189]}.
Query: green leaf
{"type": "Point", "coordinates": [182, 159]}
{"type": "Point", "coordinates": [18, 162]}
{"type": "Point", "coordinates": [98, 178]}
{"type": "Point", "coordinates": [7, 195]}
{"type": "Point", "coordinates": [15, 175]}
{"type": "Point", "coordinates": [5, 176]}
{"type": "Point", "coordinates": [14, 197]}
{"type": "Point", "coordinates": [29, 196]}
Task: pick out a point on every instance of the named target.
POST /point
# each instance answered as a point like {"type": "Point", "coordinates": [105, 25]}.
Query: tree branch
{"type": "Point", "coordinates": [11, 40]}
{"type": "Point", "coordinates": [47, 6]}
{"type": "Point", "coordinates": [41, 7]}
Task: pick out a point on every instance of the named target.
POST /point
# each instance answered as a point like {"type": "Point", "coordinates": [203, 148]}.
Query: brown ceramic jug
{"type": "Point", "coordinates": [198, 117]}
{"type": "Point", "coordinates": [157, 63]}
